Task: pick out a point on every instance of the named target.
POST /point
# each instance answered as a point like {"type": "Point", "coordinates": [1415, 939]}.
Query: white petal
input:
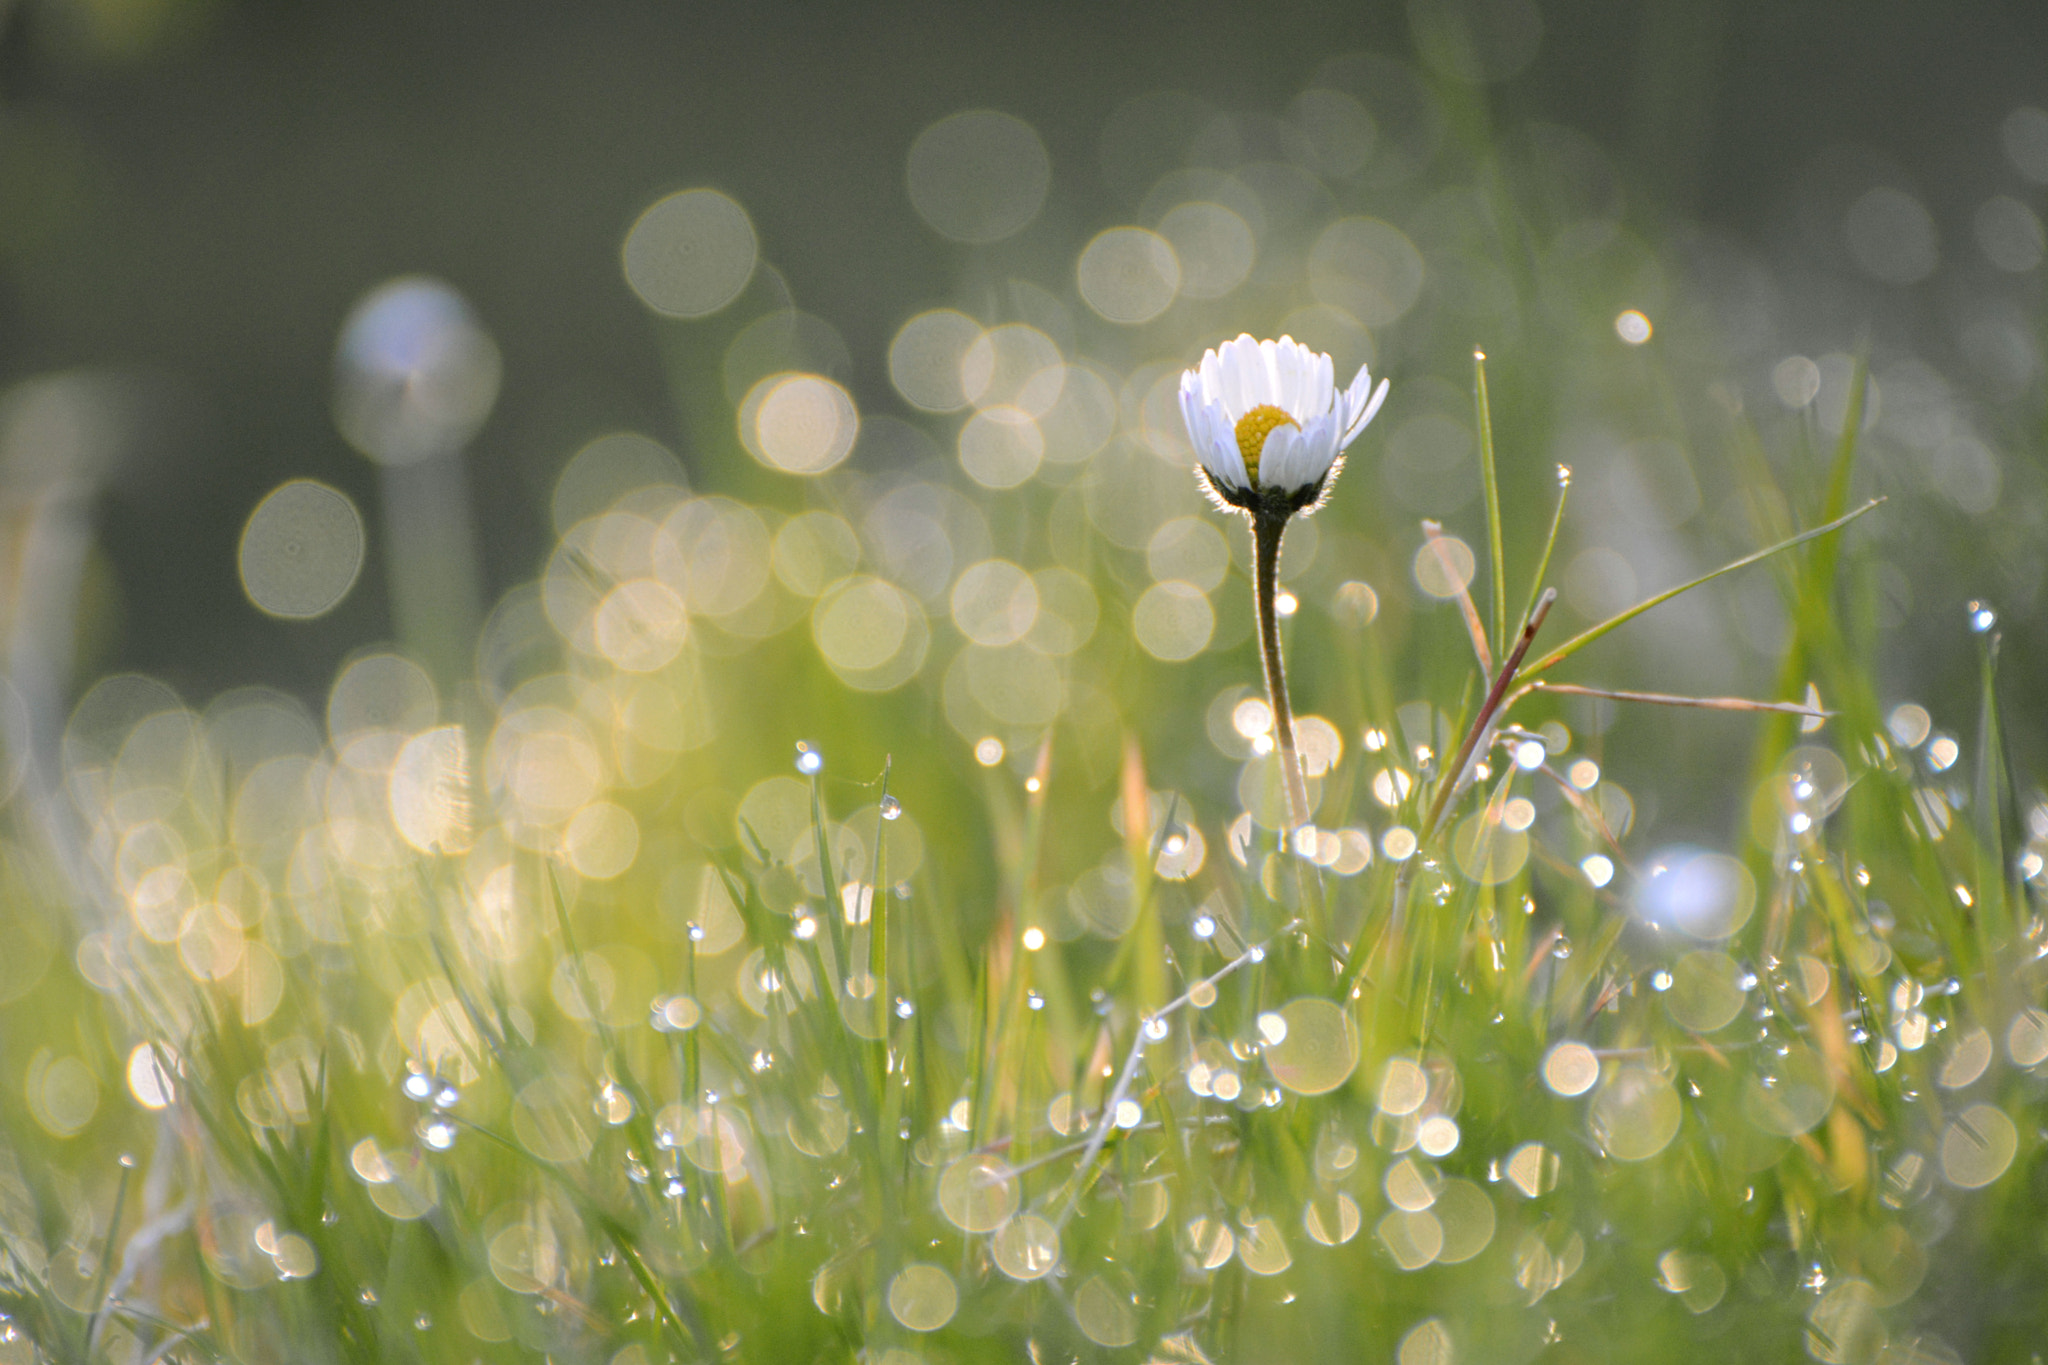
{"type": "Point", "coordinates": [1285, 375]}
{"type": "Point", "coordinates": [1225, 462]}
{"type": "Point", "coordinates": [1323, 388]}
{"type": "Point", "coordinates": [1260, 375]}
{"type": "Point", "coordinates": [1191, 405]}
{"type": "Point", "coordinates": [1295, 459]}
{"type": "Point", "coordinates": [1361, 386]}
{"type": "Point", "coordinates": [1244, 384]}
{"type": "Point", "coordinates": [1217, 430]}
{"type": "Point", "coordinates": [1214, 387]}
{"type": "Point", "coordinates": [1367, 413]}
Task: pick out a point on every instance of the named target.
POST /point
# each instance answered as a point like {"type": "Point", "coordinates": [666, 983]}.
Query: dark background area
{"type": "Point", "coordinates": [196, 195]}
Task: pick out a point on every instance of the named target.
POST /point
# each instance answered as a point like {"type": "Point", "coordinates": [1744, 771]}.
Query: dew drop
{"type": "Point", "coordinates": [1204, 926]}
{"type": "Point", "coordinates": [673, 1188]}
{"type": "Point", "coordinates": [438, 1133]}
{"type": "Point", "coordinates": [422, 1323]}
{"type": "Point", "coordinates": [891, 808]}
{"type": "Point", "coordinates": [696, 932]}
{"type": "Point", "coordinates": [1155, 1029]}
{"type": "Point", "coordinates": [1561, 949]}
{"type": "Point", "coordinates": [447, 1097]}
{"type": "Point", "coordinates": [809, 761]}
{"type": "Point", "coordinates": [418, 1085]}
{"type": "Point", "coordinates": [1982, 617]}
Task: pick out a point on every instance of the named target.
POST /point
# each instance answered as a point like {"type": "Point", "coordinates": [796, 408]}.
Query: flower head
{"type": "Point", "coordinates": [1269, 424]}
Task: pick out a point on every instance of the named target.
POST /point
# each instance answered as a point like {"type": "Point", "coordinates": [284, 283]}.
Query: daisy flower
{"type": "Point", "coordinates": [1270, 429]}
{"type": "Point", "coordinates": [1269, 425]}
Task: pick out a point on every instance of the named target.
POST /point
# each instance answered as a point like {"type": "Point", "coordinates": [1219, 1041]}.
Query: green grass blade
{"type": "Point", "coordinates": [1842, 469]}
{"type": "Point", "coordinates": [1491, 480]}
{"type": "Point", "coordinates": [1564, 489]}
{"type": "Point", "coordinates": [1588, 636]}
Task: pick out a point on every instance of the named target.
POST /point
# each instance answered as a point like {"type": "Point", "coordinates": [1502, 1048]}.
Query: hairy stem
{"type": "Point", "coordinates": [1266, 529]}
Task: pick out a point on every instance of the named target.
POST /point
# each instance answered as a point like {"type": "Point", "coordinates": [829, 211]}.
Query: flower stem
{"type": "Point", "coordinates": [1266, 530]}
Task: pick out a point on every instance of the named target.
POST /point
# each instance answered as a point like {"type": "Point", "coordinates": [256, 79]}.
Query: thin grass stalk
{"type": "Point", "coordinates": [1564, 490]}
{"type": "Point", "coordinates": [1491, 480]}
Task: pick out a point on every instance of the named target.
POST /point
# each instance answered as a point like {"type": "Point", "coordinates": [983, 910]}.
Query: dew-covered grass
{"type": "Point", "coordinates": [841, 910]}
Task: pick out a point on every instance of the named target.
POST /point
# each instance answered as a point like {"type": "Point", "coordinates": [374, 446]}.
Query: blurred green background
{"type": "Point", "coordinates": [195, 195]}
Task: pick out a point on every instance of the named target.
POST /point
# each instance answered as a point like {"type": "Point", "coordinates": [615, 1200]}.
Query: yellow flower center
{"type": "Point", "coordinates": [1252, 430]}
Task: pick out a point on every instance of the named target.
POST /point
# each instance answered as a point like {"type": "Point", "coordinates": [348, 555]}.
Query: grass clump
{"type": "Point", "coordinates": [1020, 1017]}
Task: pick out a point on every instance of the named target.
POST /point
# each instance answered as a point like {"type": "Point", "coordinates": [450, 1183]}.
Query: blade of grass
{"type": "Point", "coordinates": [106, 1265]}
{"type": "Point", "coordinates": [1453, 775]}
{"type": "Point", "coordinates": [1433, 533]}
{"type": "Point", "coordinates": [1615, 622]}
{"type": "Point", "coordinates": [878, 918]}
{"type": "Point", "coordinates": [1564, 489]}
{"type": "Point", "coordinates": [1491, 480]}
{"type": "Point", "coordinates": [1789, 708]}
{"type": "Point", "coordinates": [1842, 469]}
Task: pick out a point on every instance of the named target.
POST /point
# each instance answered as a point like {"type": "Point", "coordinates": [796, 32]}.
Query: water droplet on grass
{"type": "Point", "coordinates": [809, 761]}
{"type": "Point", "coordinates": [891, 808]}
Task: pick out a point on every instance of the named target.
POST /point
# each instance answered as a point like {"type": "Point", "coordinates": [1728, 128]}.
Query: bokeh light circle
{"type": "Point", "coordinates": [301, 550]}
{"type": "Point", "coordinates": [872, 634]}
{"type": "Point", "coordinates": [979, 175]}
{"type": "Point", "coordinates": [1635, 1113]}
{"type": "Point", "coordinates": [925, 359]}
{"type": "Point", "coordinates": [799, 423]}
{"type": "Point", "coordinates": [1704, 894]}
{"type": "Point", "coordinates": [923, 1297]}
{"type": "Point", "coordinates": [1367, 268]}
{"type": "Point", "coordinates": [1320, 1049]}
{"type": "Point", "coordinates": [1214, 245]}
{"type": "Point", "coordinates": [1173, 621]}
{"type": "Point", "coordinates": [1129, 275]}
{"type": "Point", "coordinates": [415, 373]}
{"type": "Point", "coordinates": [690, 254]}
{"type": "Point", "coordinates": [1001, 447]}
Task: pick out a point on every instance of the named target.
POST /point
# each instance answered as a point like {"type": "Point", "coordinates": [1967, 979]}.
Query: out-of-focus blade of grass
{"type": "Point", "coordinates": [1589, 635]}
{"type": "Point", "coordinates": [105, 1268]}
{"type": "Point", "coordinates": [1992, 817]}
{"type": "Point", "coordinates": [1491, 481]}
{"type": "Point", "coordinates": [1841, 472]}
{"type": "Point", "coordinates": [1138, 973]}
{"type": "Point", "coordinates": [878, 919]}
{"type": "Point", "coordinates": [1475, 626]}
